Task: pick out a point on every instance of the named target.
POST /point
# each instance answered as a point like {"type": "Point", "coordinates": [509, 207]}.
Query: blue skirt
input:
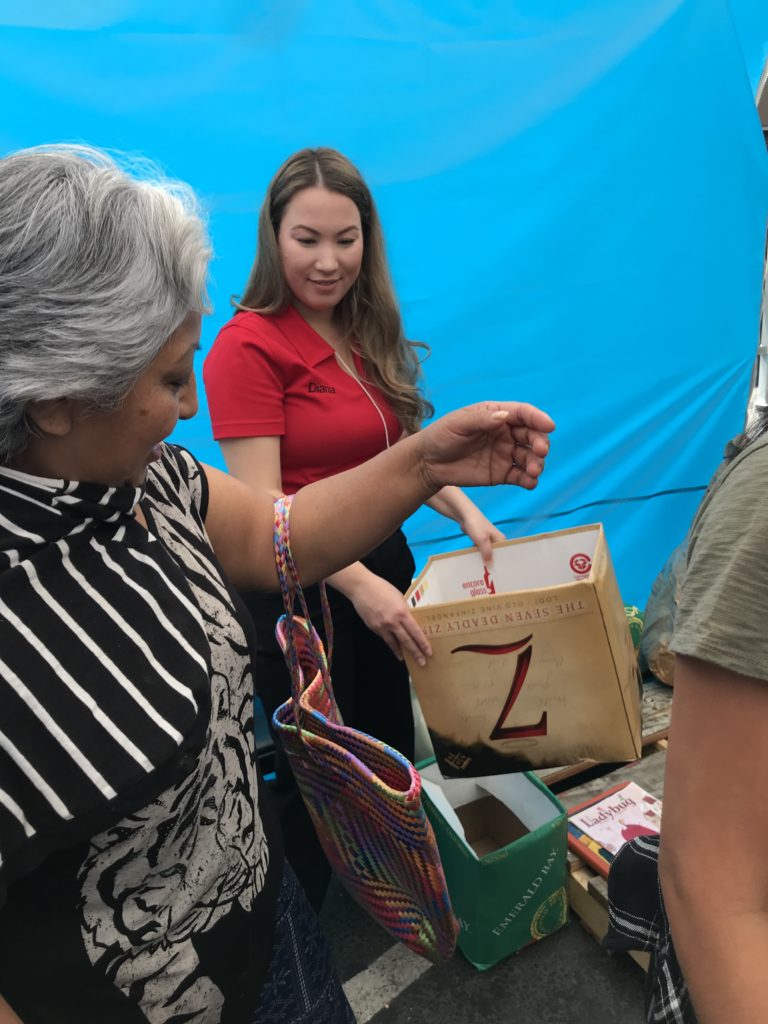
{"type": "Point", "coordinates": [302, 986]}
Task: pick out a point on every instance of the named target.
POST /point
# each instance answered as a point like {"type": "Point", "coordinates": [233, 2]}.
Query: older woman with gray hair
{"type": "Point", "coordinates": [141, 873]}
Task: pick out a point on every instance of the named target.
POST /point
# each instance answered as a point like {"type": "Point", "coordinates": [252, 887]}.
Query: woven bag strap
{"type": "Point", "coordinates": [290, 585]}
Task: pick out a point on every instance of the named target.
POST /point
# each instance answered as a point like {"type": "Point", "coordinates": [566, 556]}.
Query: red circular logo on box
{"type": "Point", "coordinates": [581, 564]}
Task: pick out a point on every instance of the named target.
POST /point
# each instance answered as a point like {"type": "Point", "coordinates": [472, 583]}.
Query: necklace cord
{"type": "Point", "coordinates": [368, 395]}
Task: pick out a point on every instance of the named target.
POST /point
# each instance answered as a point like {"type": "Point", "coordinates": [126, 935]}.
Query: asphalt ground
{"type": "Point", "coordinates": [565, 978]}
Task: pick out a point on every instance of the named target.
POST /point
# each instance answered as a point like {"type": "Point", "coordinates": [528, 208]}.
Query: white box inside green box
{"type": "Point", "coordinates": [502, 841]}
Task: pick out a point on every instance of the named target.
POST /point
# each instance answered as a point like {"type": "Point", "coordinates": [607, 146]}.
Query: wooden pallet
{"type": "Point", "coordinates": [588, 899]}
{"type": "Point", "coordinates": [588, 891]}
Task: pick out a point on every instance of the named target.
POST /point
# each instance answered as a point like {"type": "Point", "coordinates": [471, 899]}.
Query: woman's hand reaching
{"type": "Point", "coordinates": [486, 443]}
{"type": "Point", "coordinates": [382, 608]}
{"type": "Point", "coordinates": [481, 532]}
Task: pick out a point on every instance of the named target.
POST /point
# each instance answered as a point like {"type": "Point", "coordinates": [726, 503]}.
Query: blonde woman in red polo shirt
{"type": "Point", "coordinates": [312, 376]}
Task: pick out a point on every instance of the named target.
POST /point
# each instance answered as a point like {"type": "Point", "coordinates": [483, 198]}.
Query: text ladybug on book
{"type": "Point", "coordinates": [599, 827]}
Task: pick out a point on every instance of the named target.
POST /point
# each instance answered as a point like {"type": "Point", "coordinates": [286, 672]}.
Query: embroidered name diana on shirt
{"type": "Point", "coordinates": [325, 389]}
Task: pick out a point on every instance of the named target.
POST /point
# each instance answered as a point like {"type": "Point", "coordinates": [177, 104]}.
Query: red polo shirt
{"type": "Point", "coordinates": [271, 376]}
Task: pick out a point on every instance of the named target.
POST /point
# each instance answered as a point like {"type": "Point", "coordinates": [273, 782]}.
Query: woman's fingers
{"type": "Point", "coordinates": [486, 550]}
{"type": "Point", "coordinates": [528, 462]}
{"type": "Point", "coordinates": [531, 439]}
{"type": "Point", "coordinates": [524, 416]}
{"type": "Point", "coordinates": [408, 637]}
{"type": "Point", "coordinates": [520, 476]}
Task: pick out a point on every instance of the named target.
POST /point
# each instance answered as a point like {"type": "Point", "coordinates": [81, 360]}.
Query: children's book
{"type": "Point", "coordinates": [599, 827]}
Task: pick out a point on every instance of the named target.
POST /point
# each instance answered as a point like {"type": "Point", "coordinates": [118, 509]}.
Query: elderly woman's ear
{"type": "Point", "coordinates": [50, 417]}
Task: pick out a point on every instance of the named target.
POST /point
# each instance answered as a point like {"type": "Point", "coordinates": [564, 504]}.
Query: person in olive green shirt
{"type": "Point", "coordinates": [713, 863]}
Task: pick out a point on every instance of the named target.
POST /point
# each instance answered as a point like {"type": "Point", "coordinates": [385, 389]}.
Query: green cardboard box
{"type": "Point", "coordinates": [502, 841]}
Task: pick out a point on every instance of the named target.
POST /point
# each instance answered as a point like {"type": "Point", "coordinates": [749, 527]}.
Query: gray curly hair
{"type": "Point", "coordinates": [100, 262]}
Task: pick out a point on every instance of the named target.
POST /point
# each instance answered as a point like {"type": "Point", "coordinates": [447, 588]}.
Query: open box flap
{"type": "Point", "coordinates": [515, 791]}
{"type": "Point", "coordinates": [529, 563]}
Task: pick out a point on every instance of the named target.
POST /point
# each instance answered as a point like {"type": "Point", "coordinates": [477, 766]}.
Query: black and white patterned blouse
{"type": "Point", "coordinates": [138, 866]}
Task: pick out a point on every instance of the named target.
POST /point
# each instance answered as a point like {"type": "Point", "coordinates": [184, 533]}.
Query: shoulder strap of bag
{"type": "Point", "coordinates": [290, 586]}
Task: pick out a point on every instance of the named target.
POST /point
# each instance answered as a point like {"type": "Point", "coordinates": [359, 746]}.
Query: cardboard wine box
{"type": "Point", "coordinates": [533, 663]}
{"type": "Point", "coordinates": [502, 842]}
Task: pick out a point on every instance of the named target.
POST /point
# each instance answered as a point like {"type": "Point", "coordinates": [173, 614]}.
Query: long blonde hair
{"type": "Point", "coordinates": [368, 315]}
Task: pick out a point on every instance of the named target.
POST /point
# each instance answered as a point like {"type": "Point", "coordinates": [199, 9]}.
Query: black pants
{"type": "Point", "coordinates": [370, 684]}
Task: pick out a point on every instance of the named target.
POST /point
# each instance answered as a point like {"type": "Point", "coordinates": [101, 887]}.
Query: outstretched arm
{"type": "Point", "coordinates": [256, 461]}
{"type": "Point", "coordinates": [713, 864]}
{"type": "Point", "coordinates": [7, 1016]}
{"type": "Point", "coordinates": [336, 521]}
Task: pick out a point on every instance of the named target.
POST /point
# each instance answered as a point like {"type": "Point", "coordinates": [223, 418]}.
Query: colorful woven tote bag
{"type": "Point", "coordinates": [364, 798]}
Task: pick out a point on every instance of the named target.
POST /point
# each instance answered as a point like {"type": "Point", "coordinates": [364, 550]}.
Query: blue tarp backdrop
{"type": "Point", "coordinates": [574, 197]}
